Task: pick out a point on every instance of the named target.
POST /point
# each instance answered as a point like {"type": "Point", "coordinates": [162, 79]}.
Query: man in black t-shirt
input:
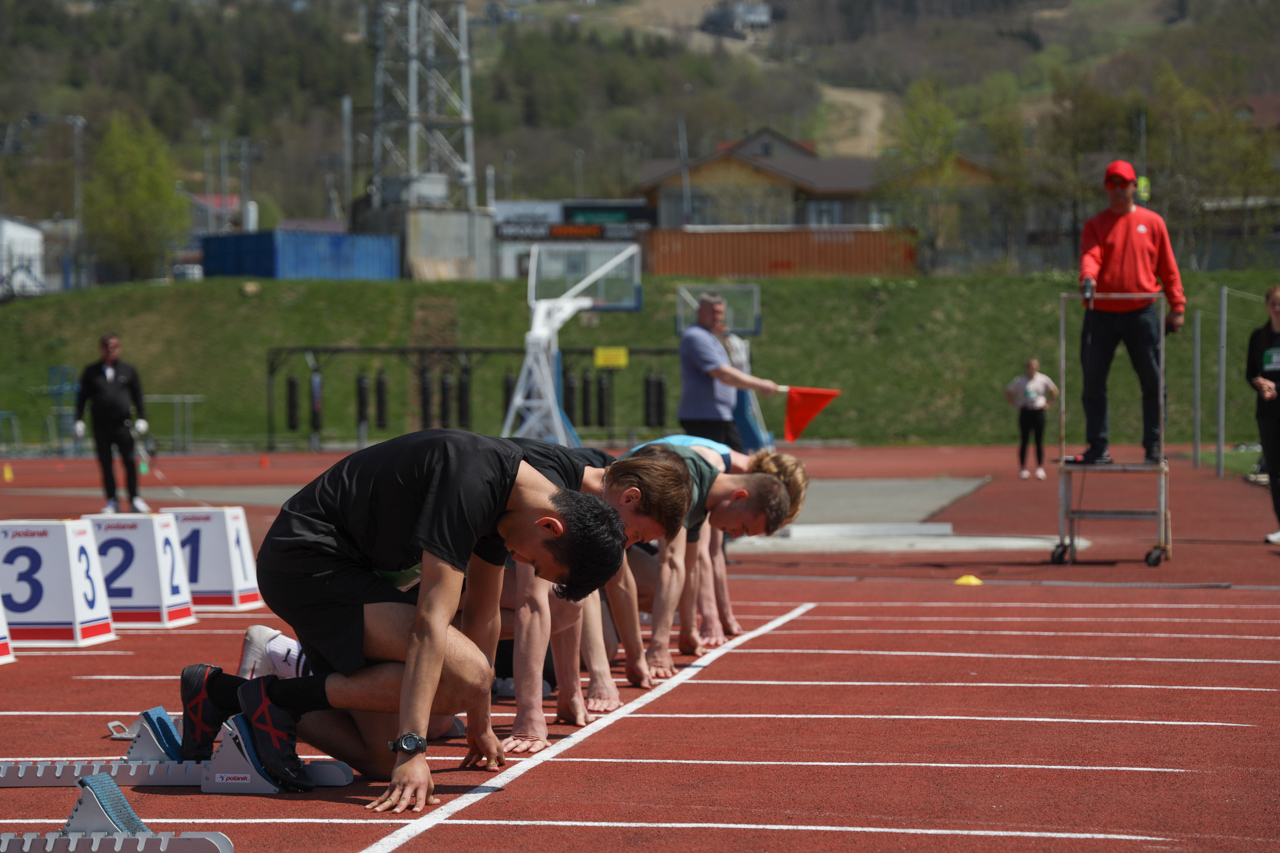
{"type": "Point", "coordinates": [113, 391]}
{"type": "Point", "coordinates": [425, 499]}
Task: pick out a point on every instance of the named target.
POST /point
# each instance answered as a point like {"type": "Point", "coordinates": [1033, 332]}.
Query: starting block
{"type": "Point", "coordinates": [143, 569]}
{"type": "Point", "coordinates": [103, 820]}
{"type": "Point", "coordinates": [155, 758]}
{"type": "Point", "coordinates": [51, 584]}
{"type": "Point", "coordinates": [221, 569]}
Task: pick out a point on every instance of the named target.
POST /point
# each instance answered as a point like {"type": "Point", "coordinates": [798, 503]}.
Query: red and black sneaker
{"type": "Point", "coordinates": [201, 719]}
{"type": "Point", "coordinates": [275, 735]}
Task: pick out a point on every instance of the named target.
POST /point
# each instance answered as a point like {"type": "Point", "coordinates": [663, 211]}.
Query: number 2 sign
{"type": "Point", "coordinates": [143, 569]}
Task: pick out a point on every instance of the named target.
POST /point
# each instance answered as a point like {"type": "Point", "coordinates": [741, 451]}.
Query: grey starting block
{"type": "Point", "coordinates": [103, 820]}
{"type": "Point", "coordinates": [155, 758]}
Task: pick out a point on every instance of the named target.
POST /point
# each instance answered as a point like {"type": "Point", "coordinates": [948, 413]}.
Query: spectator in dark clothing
{"type": "Point", "coordinates": [113, 387]}
{"type": "Point", "coordinates": [1263, 372]}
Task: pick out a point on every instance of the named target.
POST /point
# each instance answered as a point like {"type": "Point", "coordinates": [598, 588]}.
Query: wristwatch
{"type": "Point", "coordinates": [410, 744]}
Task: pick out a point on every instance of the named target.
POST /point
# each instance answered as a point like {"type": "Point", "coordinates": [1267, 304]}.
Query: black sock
{"type": "Point", "coordinates": [299, 695]}
{"type": "Point", "coordinates": [222, 691]}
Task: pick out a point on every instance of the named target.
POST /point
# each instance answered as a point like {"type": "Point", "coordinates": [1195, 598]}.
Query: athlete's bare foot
{"type": "Point", "coordinates": [638, 674]}
{"type": "Point", "coordinates": [660, 663]}
{"type": "Point", "coordinates": [602, 696]}
{"type": "Point", "coordinates": [732, 627]}
{"type": "Point", "coordinates": [691, 644]}
{"type": "Point", "coordinates": [516, 744]}
{"type": "Point", "coordinates": [716, 638]}
{"type": "Point", "coordinates": [570, 709]}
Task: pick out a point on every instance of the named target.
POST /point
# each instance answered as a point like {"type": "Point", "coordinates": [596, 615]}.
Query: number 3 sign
{"type": "Point", "coordinates": [51, 584]}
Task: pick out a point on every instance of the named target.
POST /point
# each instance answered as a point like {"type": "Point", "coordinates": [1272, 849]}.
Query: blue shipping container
{"type": "Point", "coordinates": [301, 254]}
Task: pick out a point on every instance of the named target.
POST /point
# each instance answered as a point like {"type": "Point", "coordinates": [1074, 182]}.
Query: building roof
{"type": "Point", "coordinates": [313, 226]}
{"type": "Point", "coordinates": [833, 175]}
{"type": "Point", "coordinates": [217, 201]}
{"type": "Point", "coordinates": [1265, 110]}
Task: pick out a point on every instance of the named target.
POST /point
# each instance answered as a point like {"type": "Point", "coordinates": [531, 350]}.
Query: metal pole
{"type": "Point", "coordinates": [1195, 405]}
{"type": "Point", "coordinates": [415, 111]}
{"type": "Point", "coordinates": [1222, 377]}
{"type": "Point", "coordinates": [271, 407]}
{"type": "Point", "coordinates": [208, 178]}
{"type": "Point", "coordinates": [348, 171]}
{"type": "Point", "coordinates": [686, 209]}
{"type": "Point", "coordinates": [79, 123]}
{"type": "Point", "coordinates": [1062, 376]}
{"type": "Point", "coordinates": [226, 186]}
{"type": "Point", "coordinates": [468, 125]}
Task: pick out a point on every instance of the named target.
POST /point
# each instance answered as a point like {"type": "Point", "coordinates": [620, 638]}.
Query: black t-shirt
{"type": "Point", "coordinates": [112, 398]}
{"type": "Point", "coordinates": [437, 491]}
{"type": "Point", "coordinates": [1264, 361]}
{"type": "Point", "coordinates": [563, 466]}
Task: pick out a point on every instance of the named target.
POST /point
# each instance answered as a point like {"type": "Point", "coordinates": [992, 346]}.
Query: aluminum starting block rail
{"type": "Point", "coordinates": [102, 821]}
{"type": "Point", "coordinates": [155, 758]}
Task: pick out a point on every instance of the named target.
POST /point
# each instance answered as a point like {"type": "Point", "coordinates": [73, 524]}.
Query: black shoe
{"type": "Point", "coordinates": [275, 735]}
{"type": "Point", "coordinates": [1094, 457]}
{"type": "Point", "coordinates": [201, 719]}
{"type": "Point", "coordinates": [1153, 459]}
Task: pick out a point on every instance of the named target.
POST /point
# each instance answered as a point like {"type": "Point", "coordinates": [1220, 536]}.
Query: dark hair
{"type": "Point", "coordinates": [766, 495]}
{"type": "Point", "coordinates": [102, 341]}
{"type": "Point", "coordinates": [591, 546]}
{"type": "Point", "coordinates": [666, 489]}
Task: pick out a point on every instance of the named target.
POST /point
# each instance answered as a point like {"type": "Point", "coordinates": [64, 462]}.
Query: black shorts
{"type": "Point", "coordinates": [725, 432]}
{"type": "Point", "coordinates": [322, 597]}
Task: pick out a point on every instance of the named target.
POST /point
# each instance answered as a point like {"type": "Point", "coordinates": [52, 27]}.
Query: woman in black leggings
{"type": "Point", "coordinates": [1263, 372]}
{"type": "Point", "coordinates": [1031, 393]}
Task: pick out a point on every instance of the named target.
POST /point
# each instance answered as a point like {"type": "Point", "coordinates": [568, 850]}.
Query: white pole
{"type": "Point", "coordinates": [1222, 377]}
{"type": "Point", "coordinates": [1195, 406]}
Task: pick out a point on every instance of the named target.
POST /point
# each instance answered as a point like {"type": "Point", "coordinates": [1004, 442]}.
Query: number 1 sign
{"type": "Point", "coordinates": [220, 565]}
{"type": "Point", "coordinates": [51, 584]}
{"type": "Point", "coordinates": [143, 569]}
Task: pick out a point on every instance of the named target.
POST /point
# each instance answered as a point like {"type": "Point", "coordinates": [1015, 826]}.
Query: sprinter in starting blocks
{"type": "Point", "coordinates": [103, 820]}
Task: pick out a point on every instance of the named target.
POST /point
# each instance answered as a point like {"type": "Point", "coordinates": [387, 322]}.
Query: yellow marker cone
{"type": "Point", "coordinates": [968, 580]}
{"type": "Point", "coordinates": [8, 473]}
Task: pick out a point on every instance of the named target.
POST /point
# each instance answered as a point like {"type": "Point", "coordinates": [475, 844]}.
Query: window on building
{"type": "Point", "coordinates": [824, 213]}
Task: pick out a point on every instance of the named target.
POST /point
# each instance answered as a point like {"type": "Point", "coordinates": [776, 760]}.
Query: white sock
{"type": "Point", "coordinates": [287, 658]}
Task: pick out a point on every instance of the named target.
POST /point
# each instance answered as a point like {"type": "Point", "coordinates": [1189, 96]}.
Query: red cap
{"type": "Point", "coordinates": [1120, 169]}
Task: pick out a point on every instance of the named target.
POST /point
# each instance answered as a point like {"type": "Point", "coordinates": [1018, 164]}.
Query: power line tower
{"type": "Point", "coordinates": [422, 98]}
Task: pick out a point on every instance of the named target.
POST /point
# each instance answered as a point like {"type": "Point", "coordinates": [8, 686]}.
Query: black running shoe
{"type": "Point", "coordinates": [275, 735]}
{"type": "Point", "coordinates": [1095, 457]}
{"type": "Point", "coordinates": [201, 719]}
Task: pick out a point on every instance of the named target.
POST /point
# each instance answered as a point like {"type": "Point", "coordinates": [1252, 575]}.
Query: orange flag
{"type": "Point", "coordinates": [803, 405]}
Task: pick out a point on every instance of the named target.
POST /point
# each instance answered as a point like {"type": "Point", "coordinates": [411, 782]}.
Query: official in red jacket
{"type": "Point", "coordinates": [1125, 249]}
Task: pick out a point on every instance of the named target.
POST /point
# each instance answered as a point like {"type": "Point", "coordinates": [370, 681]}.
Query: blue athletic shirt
{"type": "Point", "coordinates": [694, 441]}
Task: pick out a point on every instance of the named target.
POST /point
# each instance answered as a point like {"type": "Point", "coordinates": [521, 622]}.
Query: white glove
{"type": "Point", "coordinates": [79, 430]}
{"type": "Point", "coordinates": [141, 426]}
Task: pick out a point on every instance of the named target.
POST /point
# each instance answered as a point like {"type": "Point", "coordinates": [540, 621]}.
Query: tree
{"type": "Point", "coordinates": [132, 212]}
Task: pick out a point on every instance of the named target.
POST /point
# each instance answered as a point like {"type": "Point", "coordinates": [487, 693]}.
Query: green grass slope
{"type": "Point", "coordinates": [919, 361]}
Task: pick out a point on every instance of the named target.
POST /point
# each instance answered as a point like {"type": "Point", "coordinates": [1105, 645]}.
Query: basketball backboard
{"type": "Point", "coordinates": [742, 307]}
{"type": "Point", "coordinates": [556, 268]}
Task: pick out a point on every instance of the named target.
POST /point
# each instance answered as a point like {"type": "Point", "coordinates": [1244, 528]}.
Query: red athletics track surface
{"type": "Point", "coordinates": [1105, 705]}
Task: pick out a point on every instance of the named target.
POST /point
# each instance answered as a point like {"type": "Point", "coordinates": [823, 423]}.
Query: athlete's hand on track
{"type": "Point", "coordinates": [411, 786]}
{"type": "Point", "coordinates": [483, 749]}
{"type": "Point", "coordinates": [516, 744]}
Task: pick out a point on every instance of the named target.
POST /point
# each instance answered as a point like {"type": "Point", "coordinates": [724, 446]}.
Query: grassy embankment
{"type": "Point", "coordinates": [921, 361]}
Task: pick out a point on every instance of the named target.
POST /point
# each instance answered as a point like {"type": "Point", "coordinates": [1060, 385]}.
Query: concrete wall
{"type": "Point", "coordinates": [438, 244]}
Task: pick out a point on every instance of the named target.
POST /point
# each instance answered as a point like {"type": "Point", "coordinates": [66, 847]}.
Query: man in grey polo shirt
{"type": "Point", "coordinates": [708, 380]}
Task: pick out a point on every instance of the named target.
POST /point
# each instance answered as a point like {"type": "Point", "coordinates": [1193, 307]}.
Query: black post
{"type": "Point", "coordinates": [380, 400]}
{"type": "Point", "coordinates": [464, 397]}
{"type": "Point", "coordinates": [586, 398]}
{"type": "Point", "coordinates": [570, 380]}
{"type": "Point", "coordinates": [291, 402]}
{"type": "Point", "coordinates": [602, 398]}
{"type": "Point", "coordinates": [508, 391]}
{"type": "Point", "coordinates": [660, 400]}
{"type": "Point", "coordinates": [362, 409]}
{"type": "Point", "coordinates": [317, 409]}
{"type": "Point", "coordinates": [649, 383]}
{"type": "Point", "coordinates": [424, 394]}
{"type": "Point", "coordinates": [446, 392]}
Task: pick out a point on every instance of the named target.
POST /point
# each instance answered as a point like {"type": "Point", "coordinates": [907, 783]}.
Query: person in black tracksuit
{"type": "Point", "coordinates": [113, 386]}
{"type": "Point", "coordinates": [1262, 369]}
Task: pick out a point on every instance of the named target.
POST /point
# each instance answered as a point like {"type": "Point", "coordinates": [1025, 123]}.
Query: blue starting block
{"type": "Point", "coordinates": [155, 758]}
{"type": "Point", "coordinates": [103, 820]}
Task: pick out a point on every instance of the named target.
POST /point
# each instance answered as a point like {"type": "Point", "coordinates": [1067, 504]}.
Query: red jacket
{"type": "Point", "coordinates": [1126, 254]}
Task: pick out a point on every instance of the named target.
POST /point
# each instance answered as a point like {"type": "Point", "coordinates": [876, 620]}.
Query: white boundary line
{"type": "Point", "coordinates": [953, 766]}
{"type": "Point", "coordinates": [998, 657]}
{"type": "Point", "coordinates": [935, 717]}
{"type": "Point", "coordinates": [444, 812]}
{"type": "Point", "coordinates": [1019, 684]}
{"type": "Point", "coordinates": [1127, 620]}
{"type": "Point", "coordinates": [967, 605]}
{"type": "Point", "coordinates": [975, 633]}
{"type": "Point", "coordinates": [774, 827]}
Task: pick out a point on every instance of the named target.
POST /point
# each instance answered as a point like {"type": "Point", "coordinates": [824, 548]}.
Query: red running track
{"type": "Point", "coordinates": [874, 705]}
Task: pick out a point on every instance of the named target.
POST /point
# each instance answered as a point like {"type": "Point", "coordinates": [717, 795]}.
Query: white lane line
{"type": "Point", "coordinates": [253, 615]}
{"type": "Point", "coordinates": [1017, 684]}
{"type": "Point", "coordinates": [980, 605]}
{"type": "Point", "coordinates": [884, 764]}
{"type": "Point", "coordinates": [175, 632]}
{"type": "Point", "coordinates": [986, 619]}
{"type": "Point", "coordinates": [125, 677]}
{"type": "Point", "coordinates": [995, 656]}
{"type": "Point", "coordinates": [937, 717]}
{"type": "Point", "coordinates": [974, 633]}
{"type": "Point", "coordinates": [772, 827]}
{"type": "Point", "coordinates": [26, 653]}
{"type": "Point", "coordinates": [219, 821]}
{"type": "Point", "coordinates": [442, 813]}
{"type": "Point", "coordinates": [136, 713]}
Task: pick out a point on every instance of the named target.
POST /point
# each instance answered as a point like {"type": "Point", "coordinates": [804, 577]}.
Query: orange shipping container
{"type": "Point", "coordinates": [761, 252]}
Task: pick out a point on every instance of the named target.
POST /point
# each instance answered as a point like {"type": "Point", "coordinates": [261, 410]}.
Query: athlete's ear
{"type": "Point", "coordinates": [553, 524]}
{"type": "Point", "coordinates": [631, 496]}
{"type": "Point", "coordinates": [739, 494]}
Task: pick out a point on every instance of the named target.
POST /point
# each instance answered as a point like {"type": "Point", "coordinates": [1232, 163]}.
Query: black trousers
{"type": "Point", "coordinates": [1102, 332]}
{"type": "Point", "coordinates": [725, 432]}
{"type": "Point", "coordinates": [1031, 421]}
{"type": "Point", "coordinates": [119, 436]}
{"type": "Point", "coordinates": [1269, 436]}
